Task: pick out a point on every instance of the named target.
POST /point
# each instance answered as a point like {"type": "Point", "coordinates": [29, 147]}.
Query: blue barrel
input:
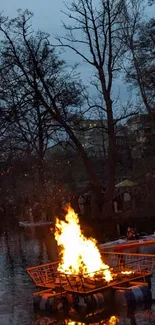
{"type": "Point", "coordinates": [80, 304]}
{"type": "Point", "coordinates": [124, 297]}
{"type": "Point", "coordinates": [60, 304]}
{"type": "Point", "coordinates": [132, 296]}
{"type": "Point", "coordinates": [48, 303]}
{"type": "Point", "coordinates": [44, 302]}
{"type": "Point", "coordinates": [95, 300]}
{"type": "Point", "coordinates": [138, 294]}
{"type": "Point", "coordinates": [147, 294]}
{"type": "Point", "coordinates": [98, 301]}
{"type": "Point", "coordinates": [91, 303]}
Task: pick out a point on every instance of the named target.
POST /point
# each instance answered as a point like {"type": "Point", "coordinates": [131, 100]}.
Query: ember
{"type": "Point", "coordinates": [79, 255]}
{"type": "Point", "coordinates": [74, 323]}
{"type": "Point", "coordinates": [112, 321]}
{"type": "Point", "coordinates": [127, 272]}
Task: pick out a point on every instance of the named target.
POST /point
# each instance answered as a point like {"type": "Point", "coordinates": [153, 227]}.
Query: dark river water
{"type": "Point", "coordinates": [20, 249]}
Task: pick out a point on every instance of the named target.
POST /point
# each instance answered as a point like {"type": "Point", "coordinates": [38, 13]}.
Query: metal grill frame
{"type": "Point", "coordinates": [43, 275]}
{"type": "Point", "coordinates": [47, 276]}
{"type": "Point", "coordinates": [131, 261]}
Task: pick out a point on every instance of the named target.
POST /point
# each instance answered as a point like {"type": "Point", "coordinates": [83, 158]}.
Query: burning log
{"type": "Point", "coordinates": [95, 282]}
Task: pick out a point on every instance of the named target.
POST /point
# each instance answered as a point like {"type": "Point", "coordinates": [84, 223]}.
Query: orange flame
{"type": "Point", "coordinates": [126, 272]}
{"type": "Point", "coordinates": [112, 321]}
{"type": "Point", "coordinates": [79, 255]}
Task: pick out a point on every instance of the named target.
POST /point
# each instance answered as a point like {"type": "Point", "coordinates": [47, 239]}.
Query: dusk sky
{"type": "Point", "coordinates": [48, 17]}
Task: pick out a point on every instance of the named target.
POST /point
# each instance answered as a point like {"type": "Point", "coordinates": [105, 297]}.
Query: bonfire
{"type": "Point", "coordinates": [78, 255]}
{"type": "Point", "coordinates": [80, 259]}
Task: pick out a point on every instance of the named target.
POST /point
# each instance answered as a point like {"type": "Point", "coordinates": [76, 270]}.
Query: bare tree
{"type": "Point", "coordinates": [139, 40]}
{"type": "Point", "coordinates": [29, 62]}
{"type": "Point", "coordinates": [28, 127]}
{"type": "Point", "coordinates": [95, 37]}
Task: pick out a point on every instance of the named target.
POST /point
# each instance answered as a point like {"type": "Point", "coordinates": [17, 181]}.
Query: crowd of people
{"type": "Point", "coordinates": [124, 200]}
{"type": "Point", "coordinates": [84, 204]}
{"type": "Point", "coordinates": [127, 199]}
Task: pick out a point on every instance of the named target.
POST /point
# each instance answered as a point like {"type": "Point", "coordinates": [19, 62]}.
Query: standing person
{"type": "Point", "coordinates": [115, 205]}
{"type": "Point", "coordinates": [94, 206]}
{"type": "Point", "coordinates": [119, 203]}
{"type": "Point", "coordinates": [81, 201]}
{"type": "Point", "coordinates": [127, 200]}
{"type": "Point", "coordinates": [87, 205]}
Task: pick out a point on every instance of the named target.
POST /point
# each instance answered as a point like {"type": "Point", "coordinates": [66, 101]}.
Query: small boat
{"type": "Point", "coordinates": [124, 243]}
{"type": "Point", "coordinates": [41, 223]}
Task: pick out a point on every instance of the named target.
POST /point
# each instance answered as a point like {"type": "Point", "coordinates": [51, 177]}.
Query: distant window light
{"type": "Point", "coordinates": [94, 124]}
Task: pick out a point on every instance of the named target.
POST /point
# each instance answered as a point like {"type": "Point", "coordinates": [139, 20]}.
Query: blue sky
{"type": "Point", "coordinates": [47, 13]}
{"type": "Point", "coordinates": [48, 17]}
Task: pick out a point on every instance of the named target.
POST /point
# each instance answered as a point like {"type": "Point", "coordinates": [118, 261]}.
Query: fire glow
{"type": "Point", "coordinates": [112, 321]}
{"type": "Point", "coordinates": [126, 272]}
{"type": "Point", "coordinates": [78, 254]}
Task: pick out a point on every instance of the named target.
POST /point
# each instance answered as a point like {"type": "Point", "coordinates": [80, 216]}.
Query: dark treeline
{"type": "Point", "coordinates": [46, 152]}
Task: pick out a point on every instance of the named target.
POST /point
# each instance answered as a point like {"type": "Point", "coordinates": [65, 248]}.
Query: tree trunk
{"type": "Point", "coordinates": [111, 163]}
{"type": "Point", "coordinates": [41, 177]}
{"type": "Point", "coordinates": [40, 150]}
{"type": "Point", "coordinates": [111, 166]}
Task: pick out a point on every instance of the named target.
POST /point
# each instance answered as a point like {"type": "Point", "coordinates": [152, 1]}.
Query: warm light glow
{"type": "Point", "coordinates": [73, 323]}
{"type": "Point", "coordinates": [126, 272]}
{"type": "Point", "coordinates": [113, 320]}
{"type": "Point", "coordinates": [79, 255]}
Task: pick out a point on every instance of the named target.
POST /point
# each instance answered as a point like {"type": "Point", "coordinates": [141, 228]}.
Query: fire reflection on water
{"type": "Point", "coordinates": [19, 250]}
{"type": "Point", "coordinates": [113, 320]}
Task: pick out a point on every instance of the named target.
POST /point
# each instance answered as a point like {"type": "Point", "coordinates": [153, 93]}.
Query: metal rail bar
{"type": "Point", "coordinates": [127, 254]}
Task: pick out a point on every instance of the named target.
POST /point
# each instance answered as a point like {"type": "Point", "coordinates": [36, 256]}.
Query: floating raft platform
{"type": "Point", "coordinates": [81, 291]}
